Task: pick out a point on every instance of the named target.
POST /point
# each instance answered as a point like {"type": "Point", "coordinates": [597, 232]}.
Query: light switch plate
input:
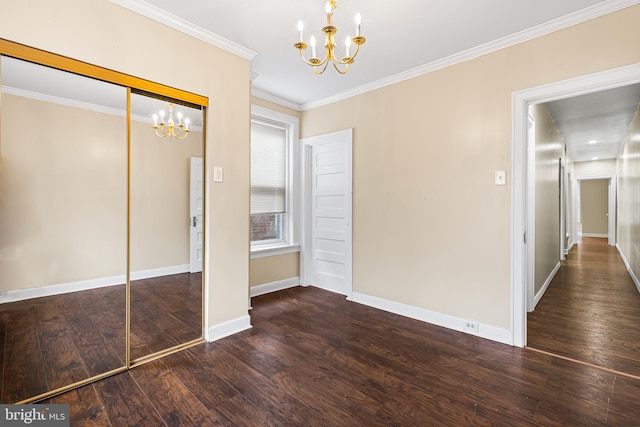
{"type": "Point", "coordinates": [217, 174]}
{"type": "Point", "coordinates": [501, 178]}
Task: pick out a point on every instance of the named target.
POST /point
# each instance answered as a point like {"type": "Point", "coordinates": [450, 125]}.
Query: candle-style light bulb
{"type": "Point", "coordinates": [347, 43]}
{"type": "Point", "coordinates": [155, 120]}
{"type": "Point", "coordinates": [327, 9]}
{"type": "Point", "coordinates": [358, 22]}
{"type": "Point", "coordinates": [179, 116]}
{"type": "Point", "coordinates": [300, 30]}
{"type": "Point", "coordinates": [186, 124]}
{"type": "Point", "coordinates": [312, 42]}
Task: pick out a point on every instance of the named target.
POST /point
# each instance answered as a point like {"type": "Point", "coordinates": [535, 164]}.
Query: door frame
{"type": "Point", "coordinates": [563, 209]}
{"type": "Point", "coordinates": [306, 252]}
{"type": "Point", "coordinates": [521, 162]}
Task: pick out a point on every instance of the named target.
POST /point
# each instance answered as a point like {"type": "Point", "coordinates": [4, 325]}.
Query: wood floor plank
{"type": "Point", "coordinates": [62, 362]}
{"type": "Point", "coordinates": [85, 407]}
{"type": "Point", "coordinates": [227, 403]}
{"type": "Point", "coordinates": [590, 309]}
{"type": "Point", "coordinates": [24, 373]}
{"type": "Point", "coordinates": [174, 402]}
{"type": "Point", "coordinates": [314, 359]}
{"type": "Point", "coordinates": [125, 403]}
{"type": "Point", "coordinates": [267, 395]}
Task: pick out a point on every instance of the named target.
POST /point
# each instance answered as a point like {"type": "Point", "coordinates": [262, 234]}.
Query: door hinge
{"type": "Point", "coordinates": [194, 221]}
{"type": "Point", "coordinates": [525, 237]}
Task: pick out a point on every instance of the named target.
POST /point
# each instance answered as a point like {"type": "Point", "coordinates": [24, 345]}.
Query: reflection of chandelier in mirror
{"type": "Point", "coordinates": [170, 128]}
{"type": "Point", "coordinates": [329, 31]}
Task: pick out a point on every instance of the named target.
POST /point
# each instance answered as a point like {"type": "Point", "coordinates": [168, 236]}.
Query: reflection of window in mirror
{"type": "Point", "coordinates": [274, 218]}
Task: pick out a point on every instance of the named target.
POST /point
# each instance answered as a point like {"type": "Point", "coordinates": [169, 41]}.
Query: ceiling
{"type": "Point", "coordinates": [402, 36]}
{"type": "Point", "coordinates": [594, 125]}
{"type": "Point", "coordinates": [402, 42]}
{"type": "Point", "coordinates": [404, 39]}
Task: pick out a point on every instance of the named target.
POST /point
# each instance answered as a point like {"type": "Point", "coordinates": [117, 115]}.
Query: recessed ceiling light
{"type": "Point", "coordinates": [593, 141]}
{"type": "Point", "coordinates": [594, 158]}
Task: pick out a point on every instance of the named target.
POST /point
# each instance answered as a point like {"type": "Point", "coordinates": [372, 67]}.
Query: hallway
{"type": "Point", "coordinates": [590, 310]}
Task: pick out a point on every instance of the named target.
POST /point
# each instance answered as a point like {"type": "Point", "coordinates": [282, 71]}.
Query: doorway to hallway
{"type": "Point", "coordinates": [589, 312]}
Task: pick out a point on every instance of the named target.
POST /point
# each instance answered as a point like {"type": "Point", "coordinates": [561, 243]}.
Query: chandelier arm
{"type": "Point", "coordinates": [346, 67]}
{"type": "Point", "coordinates": [309, 62]}
{"type": "Point", "coordinates": [326, 63]}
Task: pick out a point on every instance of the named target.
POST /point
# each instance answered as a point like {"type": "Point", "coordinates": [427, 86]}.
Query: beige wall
{"type": "Point", "coordinates": [549, 148]}
{"type": "Point", "coordinates": [63, 202]}
{"type": "Point", "coordinates": [430, 227]}
{"type": "Point", "coordinates": [64, 198]}
{"type": "Point", "coordinates": [594, 206]}
{"type": "Point", "coordinates": [628, 235]}
{"type": "Point", "coordinates": [280, 267]}
{"type": "Point", "coordinates": [105, 34]}
{"type": "Point", "coordinates": [273, 269]}
{"type": "Point", "coordinates": [160, 181]}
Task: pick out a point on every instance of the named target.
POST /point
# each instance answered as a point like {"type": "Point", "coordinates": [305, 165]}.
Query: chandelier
{"type": "Point", "coordinates": [320, 65]}
{"type": "Point", "coordinates": [169, 128]}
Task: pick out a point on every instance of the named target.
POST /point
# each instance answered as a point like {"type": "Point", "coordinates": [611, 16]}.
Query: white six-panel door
{"type": "Point", "coordinates": [328, 215]}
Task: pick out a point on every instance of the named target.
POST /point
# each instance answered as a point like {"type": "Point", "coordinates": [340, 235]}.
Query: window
{"type": "Point", "coordinates": [274, 176]}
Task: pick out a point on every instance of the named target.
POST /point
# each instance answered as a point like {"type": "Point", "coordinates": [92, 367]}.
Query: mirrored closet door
{"type": "Point", "coordinates": [63, 245]}
{"type": "Point", "coordinates": [101, 222]}
{"type": "Point", "coordinates": [166, 227]}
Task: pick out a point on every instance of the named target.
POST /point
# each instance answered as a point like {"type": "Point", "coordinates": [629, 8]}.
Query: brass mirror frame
{"type": "Point", "coordinates": [137, 85]}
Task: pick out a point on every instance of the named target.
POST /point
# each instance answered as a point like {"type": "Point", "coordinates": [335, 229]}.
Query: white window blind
{"type": "Point", "coordinates": [268, 168]}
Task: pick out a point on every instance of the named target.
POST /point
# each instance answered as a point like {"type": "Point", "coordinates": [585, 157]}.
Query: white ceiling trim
{"type": "Point", "coordinates": [38, 96]}
{"type": "Point", "coordinates": [150, 11]}
{"type": "Point", "coordinates": [63, 101]}
{"type": "Point", "coordinates": [258, 93]}
{"type": "Point", "coordinates": [586, 14]}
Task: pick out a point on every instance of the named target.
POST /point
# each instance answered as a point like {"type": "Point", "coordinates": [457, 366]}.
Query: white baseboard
{"type": "Point", "coordinates": [230, 327]}
{"type": "Point", "coordinates": [546, 284]}
{"type": "Point", "coordinates": [629, 269]}
{"type": "Point", "coordinates": [274, 286]}
{"type": "Point", "coordinates": [606, 236]}
{"type": "Point", "coordinates": [83, 285]}
{"type": "Point", "coordinates": [162, 271]}
{"type": "Point", "coordinates": [446, 321]}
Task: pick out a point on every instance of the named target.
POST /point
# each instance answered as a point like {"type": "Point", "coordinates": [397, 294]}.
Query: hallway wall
{"type": "Point", "coordinates": [549, 148]}
{"type": "Point", "coordinates": [629, 199]}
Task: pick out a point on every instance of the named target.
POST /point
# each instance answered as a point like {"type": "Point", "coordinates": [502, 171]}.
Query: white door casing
{"type": "Point", "coordinates": [327, 238]}
{"type": "Point", "coordinates": [196, 212]}
{"type": "Point", "coordinates": [522, 161]}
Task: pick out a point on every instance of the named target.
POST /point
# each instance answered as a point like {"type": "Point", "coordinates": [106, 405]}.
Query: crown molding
{"type": "Point", "coordinates": [259, 93]}
{"type": "Point", "coordinates": [38, 96]}
{"type": "Point", "coordinates": [569, 20]}
{"type": "Point", "coordinates": [153, 12]}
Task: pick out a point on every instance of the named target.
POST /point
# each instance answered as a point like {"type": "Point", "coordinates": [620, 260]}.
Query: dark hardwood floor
{"type": "Point", "coordinates": [314, 359]}
{"type": "Point", "coordinates": [591, 310]}
{"type": "Point", "coordinates": [50, 342]}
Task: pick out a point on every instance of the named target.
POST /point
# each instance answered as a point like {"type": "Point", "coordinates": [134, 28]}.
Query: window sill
{"type": "Point", "coordinates": [264, 251]}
